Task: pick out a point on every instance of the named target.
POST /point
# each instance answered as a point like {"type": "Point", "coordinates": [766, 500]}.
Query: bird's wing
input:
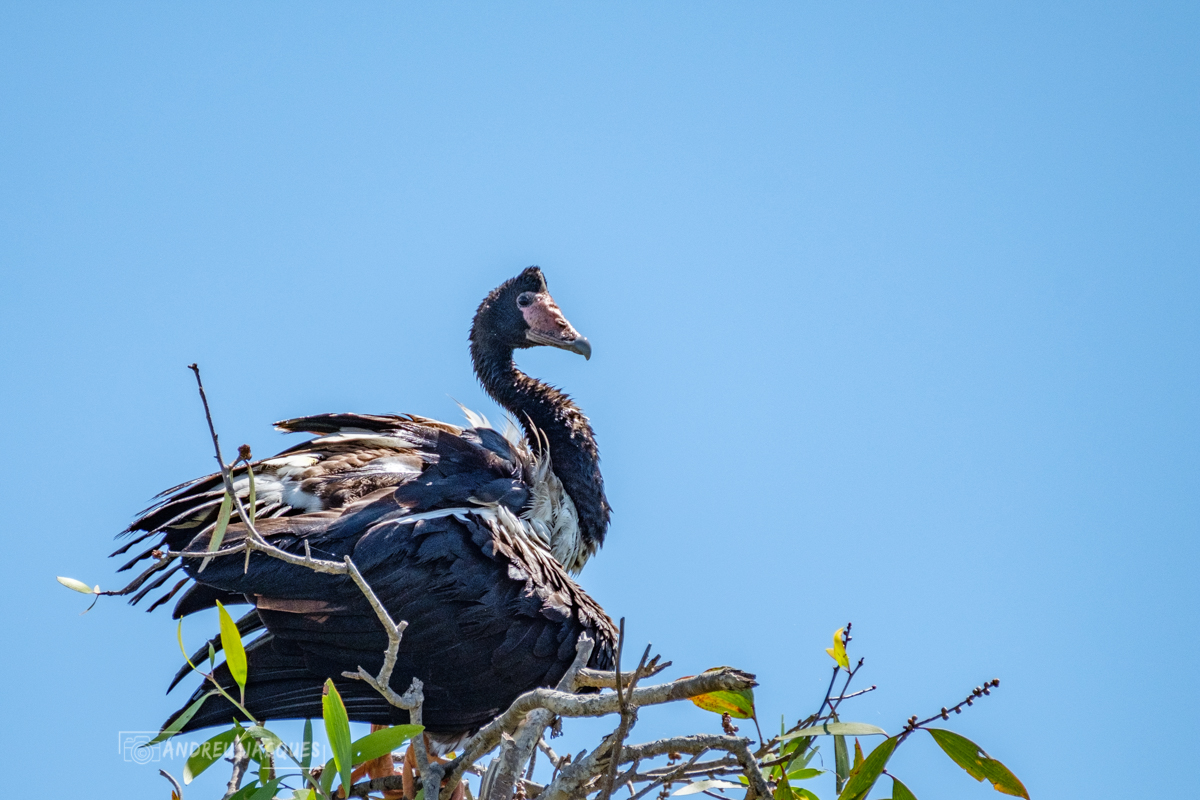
{"type": "Point", "coordinates": [353, 456]}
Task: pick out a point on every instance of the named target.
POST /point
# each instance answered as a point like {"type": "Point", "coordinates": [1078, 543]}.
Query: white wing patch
{"type": "Point", "coordinates": [551, 521]}
{"type": "Point", "coordinates": [552, 516]}
{"type": "Point", "coordinates": [287, 463]}
{"type": "Point", "coordinates": [397, 465]}
{"type": "Point", "coordinates": [474, 419]}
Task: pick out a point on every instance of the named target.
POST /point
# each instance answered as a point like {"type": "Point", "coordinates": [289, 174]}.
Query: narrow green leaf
{"type": "Point", "coordinates": [978, 764]}
{"type": "Point", "coordinates": [78, 586]}
{"type": "Point", "coordinates": [266, 767]}
{"type": "Point", "coordinates": [864, 777]}
{"type": "Point", "coordinates": [246, 792]}
{"type": "Point", "coordinates": [337, 729]}
{"type": "Point", "coordinates": [802, 757]}
{"type": "Point", "coordinates": [218, 535]}
{"type": "Point", "coordinates": [804, 774]}
{"type": "Point", "coordinates": [379, 743]}
{"type": "Point", "coordinates": [900, 791]}
{"type": "Point", "coordinates": [800, 792]}
{"type": "Point", "coordinates": [858, 756]}
{"type": "Point", "coordinates": [208, 754]}
{"type": "Point", "coordinates": [267, 791]}
{"type": "Point", "coordinates": [327, 776]}
{"type": "Point", "coordinates": [179, 638]}
{"type": "Point", "coordinates": [306, 756]}
{"type": "Point", "coordinates": [181, 720]}
{"type": "Point", "coordinates": [264, 745]}
{"type": "Point", "coordinates": [837, 729]}
{"type": "Point", "coordinates": [783, 790]}
{"type": "Point", "coordinates": [231, 643]}
{"type": "Point", "coordinates": [841, 761]}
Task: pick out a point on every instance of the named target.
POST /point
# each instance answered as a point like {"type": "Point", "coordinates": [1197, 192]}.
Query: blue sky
{"type": "Point", "coordinates": [894, 315]}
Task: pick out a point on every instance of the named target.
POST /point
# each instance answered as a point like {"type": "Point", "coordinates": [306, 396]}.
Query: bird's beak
{"type": "Point", "coordinates": [581, 345]}
{"type": "Point", "coordinates": [548, 326]}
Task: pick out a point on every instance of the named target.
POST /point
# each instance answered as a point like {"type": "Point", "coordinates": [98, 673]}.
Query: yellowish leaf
{"type": "Point", "coordinates": [739, 705]}
{"type": "Point", "coordinates": [838, 651]}
{"type": "Point", "coordinates": [78, 586]}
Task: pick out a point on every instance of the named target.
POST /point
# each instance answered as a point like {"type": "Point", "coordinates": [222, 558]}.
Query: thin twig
{"type": "Point", "coordinates": [673, 775]}
{"type": "Point", "coordinates": [856, 694]}
{"type": "Point", "coordinates": [628, 720]}
{"type": "Point", "coordinates": [979, 691]}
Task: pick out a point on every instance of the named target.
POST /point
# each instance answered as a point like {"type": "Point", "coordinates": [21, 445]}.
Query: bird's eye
{"type": "Point", "coordinates": [524, 299]}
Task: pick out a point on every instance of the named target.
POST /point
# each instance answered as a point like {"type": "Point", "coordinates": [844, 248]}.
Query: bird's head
{"type": "Point", "coordinates": [520, 313]}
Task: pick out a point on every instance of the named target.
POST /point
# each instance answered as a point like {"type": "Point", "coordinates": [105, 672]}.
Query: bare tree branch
{"type": "Point", "coordinates": [608, 680]}
{"type": "Point", "coordinates": [240, 762]}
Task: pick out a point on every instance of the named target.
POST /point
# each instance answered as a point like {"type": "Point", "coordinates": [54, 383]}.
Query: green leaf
{"type": "Point", "coordinates": [799, 792]}
{"type": "Point", "coordinates": [841, 761]}
{"type": "Point", "coordinates": [864, 777]}
{"type": "Point", "coordinates": [231, 643]}
{"type": "Point", "coordinates": [804, 774]}
{"type": "Point", "coordinates": [380, 743]}
{"type": "Point", "coordinates": [306, 756]}
{"type": "Point", "coordinates": [337, 728]}
{"type": "Point", "coordinates": [267, 791]}
{"type": "Point", "coordinates": [858, 756]}
{"type": "Point", "coordinates": [900, 791]}
{"type": "Point", "coordinates": [208, 754]}
{"type": "Point", "coordinates": [256, 791]}
{"type": "Point", "coordinates": [783, 790]}
{"type": "Point", "coordinates": [181, 720]}
{"type": "Point", "coordinates": [78, 586]}
{"type": "Point", "coordinates": [327, 776]}
{"type": "Point", "coordinates": [837, 729]}
{"type": "Point", "coordinates": [802, 757]}
{"type": "Point", "coordinates": [266, 743]}
{"type": "Point", "coordinates": [218, 535]}
{"type": "Point", "coordinates": [246, 791]}
{"type": "Point", "coordinates": [179, 638]}
{"type": "Point", "coordinates": [700, 786]}
{"type": "Point", "coordinates": [978, 764]}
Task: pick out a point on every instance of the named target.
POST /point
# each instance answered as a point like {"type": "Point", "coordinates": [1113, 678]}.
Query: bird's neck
{"type": "Point", "coordinates": [573, 452]}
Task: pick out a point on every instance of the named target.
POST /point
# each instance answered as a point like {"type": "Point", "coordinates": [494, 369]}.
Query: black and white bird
{"type": "Point", "coordinates": [466, 533]}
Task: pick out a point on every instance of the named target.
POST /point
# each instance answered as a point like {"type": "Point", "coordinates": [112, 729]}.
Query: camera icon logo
{"type": "Point", "coordinates": [135, 747]}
